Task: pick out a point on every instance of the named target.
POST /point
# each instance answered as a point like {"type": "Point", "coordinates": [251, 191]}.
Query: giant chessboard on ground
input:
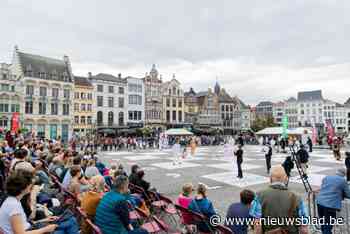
{"type": "Point", "coordinates": [210, 166]}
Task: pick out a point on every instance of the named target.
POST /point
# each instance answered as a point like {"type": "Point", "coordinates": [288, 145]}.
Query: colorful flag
{"type": "Point", "coordinates": [330, 129]}
{"type": "Point", "coordinates": [15, 122]}
{"type": "Point", "coordinates": [285, 127]}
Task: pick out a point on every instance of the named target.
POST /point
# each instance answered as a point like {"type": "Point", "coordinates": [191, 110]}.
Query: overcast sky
{"type": "Point", "coordinates": [258, 50]}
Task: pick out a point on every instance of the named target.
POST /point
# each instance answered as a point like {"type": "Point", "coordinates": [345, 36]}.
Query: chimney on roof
{"type": "Point", "coordinates": [119, 75]}
{"type": "Point", "coordinates": [89, 75]}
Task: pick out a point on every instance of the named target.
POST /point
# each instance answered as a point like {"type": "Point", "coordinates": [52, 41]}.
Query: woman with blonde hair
{"type": "Point", "coordinates": [91, 199]}
{"type": "Point", "coordinates": [201, 204]}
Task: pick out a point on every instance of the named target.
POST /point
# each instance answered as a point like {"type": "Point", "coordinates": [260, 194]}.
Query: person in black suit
{"type": "Point", "coordinates": [268, 156]}
{"type": "Point", "coordinates": [239, 155]}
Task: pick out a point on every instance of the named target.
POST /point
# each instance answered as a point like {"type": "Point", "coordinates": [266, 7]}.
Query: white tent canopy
{"type": "Point", "coordinates": [279, 130]}
{"type": "Point", "coordinates": [178, 132]}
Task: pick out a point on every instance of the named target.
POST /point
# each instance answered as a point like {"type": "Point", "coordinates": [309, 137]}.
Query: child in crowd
{"type": "Point", "coordinates": [184, 200]}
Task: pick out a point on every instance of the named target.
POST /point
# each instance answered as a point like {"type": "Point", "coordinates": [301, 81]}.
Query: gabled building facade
{"type": "Point", "coordinates": [47, 90]}
{"type": "Point", "coordinates": [83, 106]}
{"type": "Point", "coordinates": [154, 116]}
{"type": "Point", "coordinates": [173, 104]}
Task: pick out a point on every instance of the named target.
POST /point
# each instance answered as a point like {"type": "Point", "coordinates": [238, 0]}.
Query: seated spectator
{"type": "Point", "coordinates": [68, 177]}
{"type": "Point", "coordinates": [141, 182]}
{"type": "Point", "coordinates": [57, 168]}
{"type": "Point", "coordinates": [91, 169]}
{"type": "Point", "coordinates": [112, 214]}
{"type": "Point", "coordinates": [333, 190]}
{"type": "Point", "coordinates": [91, 199]}
{"type": "Point", "coordinates": [121, 168]}
{"type": "Point", "coordinates": [240, 210]}
{"type": "Point", "coordinates": [13, 220]}
{"type": "Point", "coordinates": [289, 205]}
{"type": "Point", "coordinates": [201, 204]}
{"type": "Point", "coordinates": [184, 200]}
{"type": "Point", "coordinates": [40, 172]}
{"type": "Point", "coordinates": [19, 162]}
{"type": "Point", "coordinates": [133, 178]}
{"type": "Point", "coordinates": [112, 170]}
{"type": "Point", "coordinates": [74, 184]}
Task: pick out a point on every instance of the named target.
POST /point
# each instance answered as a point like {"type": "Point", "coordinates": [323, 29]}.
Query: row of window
{"type": "Point", "coordinates": [110, 116]}
{"type": "Point", "coordinates": [100, 88]}
{"type": "Point", "coordinates": [174, 102]}
{"type": "Point", "coordinates": [309, 112]}
{"type": "Point", "coordinates": [174, 91]}
{"type": "Point", "coordinates": [82, 107]}
{"type": "Point", "coordinates": [7, 88]}
{"type": "Point", "coordinates": [83, 119]}
{"type": "Point", "coordinates": [174, 117]}
{"type": "Point", "coordinates": [135, 115]}
{"type": "Point", "coordinates": [227, 116]}
{"type": "Point", "coordinates": [227, 108]}
{"type": "Point", "coordinates": [41, 74]}
{"type": "Point", "coordinates": [110, 102]}
{"type": "Point", "coordinates": [5, 107]}
{"type": "Point", "coordinates": [43, 108]}
{"type": "Point", "coordinates": [135, 99]}
{"type": "Point", "coordinates": [136, 88]}
{"type": "Point", "coordinates": [40, 130]}
{"type": "Point", "coordinates": [43, 92]}
{"type": "Point", "coordinates": [308, 105]}
{"type": "Point", "coordinates": [153, 114]}
{"type": "Point", "coordinates": [83, 96]}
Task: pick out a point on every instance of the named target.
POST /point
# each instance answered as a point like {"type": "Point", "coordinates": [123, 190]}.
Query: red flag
{"type": "Point", "coordinates": [330, 129]}
{"type": "Point", "coordinates": [15, 122]}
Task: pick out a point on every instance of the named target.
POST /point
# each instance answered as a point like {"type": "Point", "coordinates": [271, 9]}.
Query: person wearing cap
{"type": "Point", "coordinates": [334, 189]}
{"type": "Point", "coordinates": [347, 165]}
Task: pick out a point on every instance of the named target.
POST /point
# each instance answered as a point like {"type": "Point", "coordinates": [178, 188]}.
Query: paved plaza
{"type": "Point", "coordinates": [209, 166]}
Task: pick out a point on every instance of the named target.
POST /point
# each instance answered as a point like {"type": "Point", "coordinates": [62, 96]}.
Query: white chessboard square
{"type": "Point", "coordinates": [123, 153]}
{"type": "Point", "coordinates": [141, 157]}
{"type": "Point", "coordinates": [231, 179]}
{"type": "Point", "coordinates": [314, 179]}
{"type": "Point", "coordinates": [233, 166]}
{"type": "Point", "coordinates": [154, 153]}
{"type": "Point", "coordinates": [171, 166]}
{"type": "Point", "coordinates": [331, 159]}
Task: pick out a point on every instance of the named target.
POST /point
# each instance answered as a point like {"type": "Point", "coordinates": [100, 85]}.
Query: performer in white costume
{"type": "Point", "coordinates": [177, 152]}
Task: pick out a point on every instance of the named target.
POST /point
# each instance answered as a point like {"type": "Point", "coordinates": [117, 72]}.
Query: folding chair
{"type": "Point", "coordinates": [150, 225]}
{"type": "Point", "coordinates": [166, 205]}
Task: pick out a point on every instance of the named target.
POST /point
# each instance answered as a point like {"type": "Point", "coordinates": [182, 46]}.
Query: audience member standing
{"type": "Point", "coordinates": [289, 205]}
{"type": "Point", "coordinates": [240, 210]}
{"type": "Point", "coordinates": [333, 189]}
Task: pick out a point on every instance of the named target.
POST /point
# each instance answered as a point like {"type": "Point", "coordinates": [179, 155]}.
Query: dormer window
{"type": "Point", "coordinates": [65, 76]}
{"type": "Point", "coordinates": [54, 75]}
{"type": "Point", "coordinates": [28, 71]}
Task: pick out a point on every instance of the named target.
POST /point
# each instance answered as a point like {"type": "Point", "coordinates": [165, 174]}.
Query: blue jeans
{"type": "Point", "coordinates": [327, 213]}
{"type": "Point", "coordinates": [69, 226]}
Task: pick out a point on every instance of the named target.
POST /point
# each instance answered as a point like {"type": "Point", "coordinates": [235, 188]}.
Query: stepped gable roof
{"type": "Point", "coordinates": [310, 96]}
{"type": "Point", "coordinates": [225, 97]}
{"type": "Point", "coordinates": [55, 69]}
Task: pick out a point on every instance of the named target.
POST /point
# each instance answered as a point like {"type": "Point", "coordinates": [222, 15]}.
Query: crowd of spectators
{"type": "Point", "coordinates": [37, 175]}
